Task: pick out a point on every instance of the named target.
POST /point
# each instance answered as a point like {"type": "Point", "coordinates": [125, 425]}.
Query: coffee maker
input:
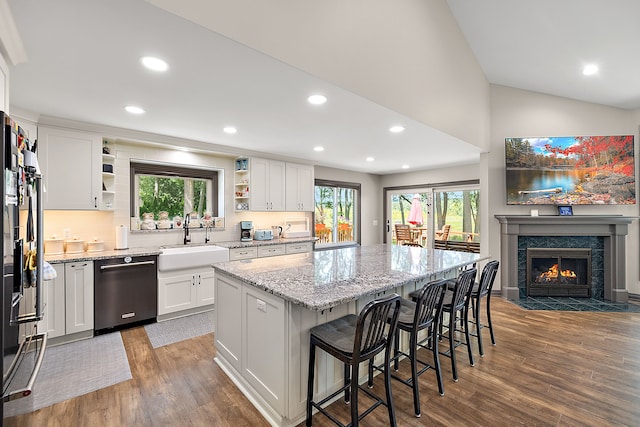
{"type": "Point", "coordinates": [245, 231]}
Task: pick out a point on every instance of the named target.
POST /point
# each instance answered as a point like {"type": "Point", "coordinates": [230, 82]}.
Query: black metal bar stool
{"type": "Point", "coordinates": [424, 314]}
{"type": "Point", "coordinates": [456, 304]}
{"type": "Point", "coordinates": [481, 290]}
{"type": "Point", "coordinates": [354, 339]}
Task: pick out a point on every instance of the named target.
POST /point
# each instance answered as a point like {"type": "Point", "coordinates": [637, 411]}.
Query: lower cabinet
{"type": "Point", "coordinates": [185, 289]}
{"type": "Point", "coordinates": [69, 300]}
{"type": "Point", "coordinates": [262, 251]}
{"type": "Point", "coordinates": [251, 328]}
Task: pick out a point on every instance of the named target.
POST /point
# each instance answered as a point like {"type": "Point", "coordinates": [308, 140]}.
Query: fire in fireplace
{"type": "Point", "coordinates": [559, 272]}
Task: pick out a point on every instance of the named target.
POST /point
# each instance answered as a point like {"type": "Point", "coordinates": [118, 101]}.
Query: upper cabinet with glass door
{"type": "Point", "coordinates": [71, 164]}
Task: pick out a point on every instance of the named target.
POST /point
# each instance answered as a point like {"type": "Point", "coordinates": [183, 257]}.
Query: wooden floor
{"type": "Point", "coordinates": [550, 368]}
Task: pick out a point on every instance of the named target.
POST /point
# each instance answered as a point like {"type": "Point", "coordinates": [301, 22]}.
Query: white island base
{"type": "Point", "coordinates": [262, 344]}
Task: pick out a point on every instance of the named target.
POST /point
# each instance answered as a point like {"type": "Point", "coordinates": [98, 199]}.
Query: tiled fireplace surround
{"type": "Point", "coordinates": [605, 235]}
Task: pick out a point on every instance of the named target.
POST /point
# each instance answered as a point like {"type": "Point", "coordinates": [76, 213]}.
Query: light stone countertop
{"type": "Point", "coordinates": [98, 255]}
{"type": "Point", "coordinates": [106, 254]}
{"type": "Point", "coordinates": [325, 279]}
{"type": "Point", "coordinates": [233, 244]}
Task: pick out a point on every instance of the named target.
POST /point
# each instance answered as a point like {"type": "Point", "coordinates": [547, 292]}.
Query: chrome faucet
{"type": "Point", "coordinates": [206, 234]}
{"type": "Point", "coordinates": [185, 224]}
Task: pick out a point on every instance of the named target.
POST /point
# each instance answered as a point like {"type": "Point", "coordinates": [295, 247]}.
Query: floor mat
{"type": "Point", "coordinates": [182, 328]}
{"type": "Point", "coordinates": [575, 304]}
{"type": "Point", "coordinates": [74, 369]}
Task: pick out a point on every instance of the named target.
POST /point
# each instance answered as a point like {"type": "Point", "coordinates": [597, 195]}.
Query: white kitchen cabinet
{"type": "Point", "coordinates": [300, 187]}
{"type": "Point", "coordinates": [271, 250]}
{"type": "Point", "coordinates": [299, 248]}
{"type": "Point", "coordinates": [78, 281]}
{"type": "Point", "coordinates": [267, 185]}
{"type": "Point", "coordinates": [71, 165]}
{"type": "Point", "coordinates": [250, 316]}
{"type": "Point", "coordinates": [236, 254]}
{"type": "Point", "coordinates": [54, 319]}
{"type": "Point", "coordinates": [185, 289]}
{"type": "Point", "coordinates": [68, 301]}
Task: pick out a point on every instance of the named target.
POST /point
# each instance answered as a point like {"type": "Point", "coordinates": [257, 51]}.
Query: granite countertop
{"type": "Point", "coordinates": [94, 256]}
{"type": "Point", "coordinates": [325, 279]}
{"type": "Point", "coordinates": [233, 244]}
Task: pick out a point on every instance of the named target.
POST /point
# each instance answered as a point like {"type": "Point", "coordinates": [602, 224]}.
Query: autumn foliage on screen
{"type": "Point", "coordinates": [571, 170]}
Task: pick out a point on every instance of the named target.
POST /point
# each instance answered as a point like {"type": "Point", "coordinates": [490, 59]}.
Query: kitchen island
{"type": "Point", "coordinates": [266, 307]}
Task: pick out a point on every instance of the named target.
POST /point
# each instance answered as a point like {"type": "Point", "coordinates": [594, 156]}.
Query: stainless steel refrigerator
{"type": "Point", "coordinates": [22, 346]}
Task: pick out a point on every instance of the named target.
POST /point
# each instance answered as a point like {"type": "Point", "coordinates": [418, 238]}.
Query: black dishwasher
{"type": "Point", "coordinates": [125, 291]}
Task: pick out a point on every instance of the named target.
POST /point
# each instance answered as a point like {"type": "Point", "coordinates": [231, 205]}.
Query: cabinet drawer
{"type": "Point", "coordinates": [297, 248]}
{"type": "Point", "coordinates": [271, 250]}
{"type": "Point", "coordinates": [242, 253]}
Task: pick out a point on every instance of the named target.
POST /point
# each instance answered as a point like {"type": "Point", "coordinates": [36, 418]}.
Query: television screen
{"type": "Point", "coordinates": [570, 170]}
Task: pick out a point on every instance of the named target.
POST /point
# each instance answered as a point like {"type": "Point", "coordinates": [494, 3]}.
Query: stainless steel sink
{"type": "Point", "coordinates": [185, 257]}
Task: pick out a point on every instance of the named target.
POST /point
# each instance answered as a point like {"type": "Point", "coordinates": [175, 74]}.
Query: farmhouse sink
{"type": "Point", "coordinates": [184, 257]}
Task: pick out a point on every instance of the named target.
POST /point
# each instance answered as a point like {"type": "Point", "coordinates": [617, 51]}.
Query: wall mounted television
{"type": "Point", "coordinates": [570, 170]}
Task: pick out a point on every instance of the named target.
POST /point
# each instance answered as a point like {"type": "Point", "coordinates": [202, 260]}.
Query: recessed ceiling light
{"type": "Point", "coordinates": [396, 129]}
{"type": "Point", "coordinates": [405, 166]}
{"type": "Point", "coordinates": [133, 109]}
{"type": "Point", "coordinates": [155, 64]}
{"type": "Point", "coordinates": [230, 129]}
{"type": "Point", "coordinates": [317, 99]}
{"type": "Point", "coordinates": [369, 159]}
{"type": "Point", "coordinates": [590, 70]}
{"type": "Point", "coordinates": [318, 148]}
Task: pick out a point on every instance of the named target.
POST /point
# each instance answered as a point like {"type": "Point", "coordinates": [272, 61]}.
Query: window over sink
{"type": "Point", "coordinates": [164, 194]}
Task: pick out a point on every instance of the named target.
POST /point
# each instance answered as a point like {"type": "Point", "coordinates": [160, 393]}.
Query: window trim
{"type": "Point", "coordinates": [342, 184]}
{"type": "Point", "coordinates": [165, 169]}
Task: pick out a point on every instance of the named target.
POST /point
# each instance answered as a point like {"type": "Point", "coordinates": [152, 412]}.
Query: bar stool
{"type": "Point", "coordinates": [354, 339]}
{"type": "Point", "coordinates": [415, 317]}
{"type": "Point", "coordinates": [483, 289]}
{"type": "Point", "coordinates": [456, 304]}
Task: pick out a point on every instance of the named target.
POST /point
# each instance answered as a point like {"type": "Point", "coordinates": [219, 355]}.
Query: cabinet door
{"type": "Point", "coordinates": [299, 187]}
{"type": "Point", "coordinates": [277, 171]}
{"type": "Point", "coordinates": [54, 310]}
{"type": "Point", "coordinates": [206, 290]}
{"type": "Point", "coordinates": [259, 184]}
{"type": "Point", "coordinates": [267, 185]}
{"type": "Point", "coordinates": [176, 293]}
{"type": "Point", "coordinates": [78, 296]}
{"type": "Point", "coordinates": [70, 163]}
{"type": "Point", "coordinates": [227, 332]}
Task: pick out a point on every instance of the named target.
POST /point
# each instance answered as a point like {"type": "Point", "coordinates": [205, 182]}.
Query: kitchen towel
{"type": "Point", "coordinates": [122, 233]}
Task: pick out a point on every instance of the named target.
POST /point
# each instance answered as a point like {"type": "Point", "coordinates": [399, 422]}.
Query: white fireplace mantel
{"type": "Point", "coordinates": [613, 228]}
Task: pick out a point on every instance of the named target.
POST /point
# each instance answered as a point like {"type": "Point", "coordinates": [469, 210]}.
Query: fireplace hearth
{"type": "Point", "coordinates": [559, 272]}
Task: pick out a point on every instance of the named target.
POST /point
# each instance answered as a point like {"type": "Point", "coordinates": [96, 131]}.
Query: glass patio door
{"type": "Point", "coordinates": [409, 207]}
{"type": "Point", "coordinates": [449, 214]}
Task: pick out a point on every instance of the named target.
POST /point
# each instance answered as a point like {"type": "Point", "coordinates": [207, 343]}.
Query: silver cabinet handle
{"type": "Point", "coordinates": [131, 264]}
{"type": "Point", "coordinates": [79, 265]}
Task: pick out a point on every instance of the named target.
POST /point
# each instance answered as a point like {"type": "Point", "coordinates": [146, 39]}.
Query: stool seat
{"type": "Point", "coordinates": [340, 333]}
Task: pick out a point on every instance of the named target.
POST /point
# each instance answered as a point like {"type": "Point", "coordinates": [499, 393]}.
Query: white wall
{"type": "Point", "coordinates": [4, 85]}
{"type": "Point", "coordinates": [519, 113]}
{"type": "Point", "coordinates": [371, 199]}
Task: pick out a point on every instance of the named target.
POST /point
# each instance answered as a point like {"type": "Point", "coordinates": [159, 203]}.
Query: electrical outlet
{"type": "Point", "coordinates": [375, 222]}
{"type": "Point", "coordinates": [261, 305]}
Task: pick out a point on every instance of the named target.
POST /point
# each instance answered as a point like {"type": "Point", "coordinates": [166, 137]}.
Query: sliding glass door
{"type": "Point", "coordinates": [436, 216]}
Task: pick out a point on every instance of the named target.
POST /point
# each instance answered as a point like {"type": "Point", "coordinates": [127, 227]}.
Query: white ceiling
{"type": "Point", "coordinates": [542, 45]}
{"type": "Point", "coordinates": [83, 65]}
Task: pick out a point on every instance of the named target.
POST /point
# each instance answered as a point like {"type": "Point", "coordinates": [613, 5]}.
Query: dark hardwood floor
{"type": "Point", "coordinates": [550, 368]}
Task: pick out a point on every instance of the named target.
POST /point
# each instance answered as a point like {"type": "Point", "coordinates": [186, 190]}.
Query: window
{"type": "Point", "coordinates": [173, 189]}
{"type": "Point", "coordinates": [337, 213]}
